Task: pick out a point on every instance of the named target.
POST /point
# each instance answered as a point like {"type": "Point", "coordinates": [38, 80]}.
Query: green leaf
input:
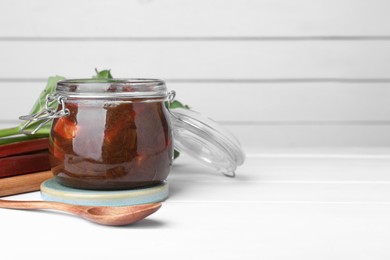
{"type": "Point", "coordinates": [104, 74]}
{"type": "Point", "coordinates": [40, 104]}
{"type": "Point", "coordinates": [41, 101]}
{"type": "Point", "coordinates": [37, 107]}
{"type": "Point", "coordinates": [178, 104]}
{"type": "Point", "coordinates": [50, 88]}
{"type": "Point", "coordinates": [176, 154]}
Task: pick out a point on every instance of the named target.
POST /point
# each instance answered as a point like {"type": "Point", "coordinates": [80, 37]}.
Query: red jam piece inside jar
{"type": "Point", "coordinates": [116, 134]}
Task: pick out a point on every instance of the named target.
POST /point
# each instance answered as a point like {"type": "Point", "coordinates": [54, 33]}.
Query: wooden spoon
{"type": "Point", "coordinates": [112, 216]}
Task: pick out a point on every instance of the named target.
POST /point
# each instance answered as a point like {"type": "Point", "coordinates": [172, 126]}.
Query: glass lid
{"type": "Point", "coordinates": [206, 140]}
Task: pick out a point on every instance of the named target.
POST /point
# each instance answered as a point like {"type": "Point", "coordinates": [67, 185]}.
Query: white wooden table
{"type": "Point", "coordinates": [282, 205]}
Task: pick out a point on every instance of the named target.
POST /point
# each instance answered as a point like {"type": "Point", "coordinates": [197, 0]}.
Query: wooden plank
{"type": "Point", "coordinates": [288, 102]}
{"type": "Point", "coordinates": [275, 192]}
{"type": "Point", "coordinates": [282, 182]}
{"type": "Point", "coordinates": [286, 166]}
{"type": "Point", "coordinates": [265, 103]}
{"type": "Point", "coordinates": [23, 183]}
{"type": "Point", "coordinates": [354, 136]}
{"type": "Point", "coordinates": [121, 18]}
{"type": "Point", "coordinates": [194, 60]}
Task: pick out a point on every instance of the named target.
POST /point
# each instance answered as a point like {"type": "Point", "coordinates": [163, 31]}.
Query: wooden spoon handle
{"type": "Point", "coordinates": [20, 204]}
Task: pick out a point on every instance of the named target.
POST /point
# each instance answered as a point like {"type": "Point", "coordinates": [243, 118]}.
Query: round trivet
{"type": "Point", "coordinates": [53, 191]}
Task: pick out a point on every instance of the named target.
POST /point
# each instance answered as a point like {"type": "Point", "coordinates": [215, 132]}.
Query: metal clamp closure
{"type": "Point", "coordinates": [171, 96]}
{"type": "Point", "coordinates": [49, 113]}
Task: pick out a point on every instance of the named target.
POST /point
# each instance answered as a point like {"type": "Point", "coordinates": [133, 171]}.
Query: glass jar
{"type": "Point", "coordinates": [111, 134]}
{"type": "Point", "coordinates": [118, 134]}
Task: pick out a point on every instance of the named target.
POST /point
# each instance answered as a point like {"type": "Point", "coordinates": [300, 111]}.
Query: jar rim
{"type": "Point", "coordinates": [134, 88]}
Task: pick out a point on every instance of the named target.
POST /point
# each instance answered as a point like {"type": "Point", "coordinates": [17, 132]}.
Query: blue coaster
{"type": "Point", "coordinates": [51, 190]}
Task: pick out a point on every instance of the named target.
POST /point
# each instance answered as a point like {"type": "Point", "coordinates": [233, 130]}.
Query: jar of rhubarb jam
{"type": "Point", "coordinates": [111, 134]}
{"type": "Point", "coordinates": [118, 134]}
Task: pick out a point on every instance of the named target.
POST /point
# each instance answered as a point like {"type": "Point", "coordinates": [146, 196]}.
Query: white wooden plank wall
{"type": "Point", "coordinates": [299, 73]}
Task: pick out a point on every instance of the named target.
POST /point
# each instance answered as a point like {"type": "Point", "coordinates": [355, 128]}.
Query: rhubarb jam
{"type": "Point", "coordinates": [116, 135]}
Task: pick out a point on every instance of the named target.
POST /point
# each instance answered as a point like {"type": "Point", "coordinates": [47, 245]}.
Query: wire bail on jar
{"type": "Point", "coordinates": [171, 96]}
{"type": "Point", "coordinates": [46, 115]}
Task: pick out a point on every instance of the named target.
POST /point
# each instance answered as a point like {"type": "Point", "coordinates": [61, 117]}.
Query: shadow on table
{"type": "Point", "coordinates": [145, 224]}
